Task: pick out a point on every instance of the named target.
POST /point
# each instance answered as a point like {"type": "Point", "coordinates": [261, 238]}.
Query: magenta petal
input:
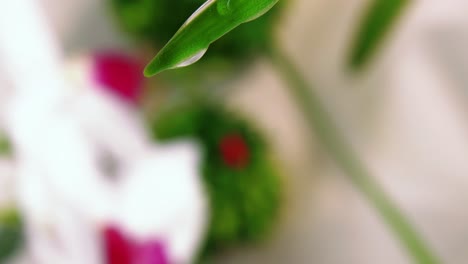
{"type": "Point", "coordinates": [120, 74]}
{"type": "Point", "coordinates": [150, 252]}
{"type": "Point", "coordinates": [118, 250]}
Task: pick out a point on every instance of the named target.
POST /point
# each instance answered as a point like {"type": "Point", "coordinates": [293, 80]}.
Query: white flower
{"type": "Point", "coordinates": [61, 134]}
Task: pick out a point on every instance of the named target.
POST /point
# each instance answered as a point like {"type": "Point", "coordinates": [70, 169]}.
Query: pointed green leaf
{"type": "Point", "coordinates": [379, 19]}
{"type": "Point", "coordinates": [211, 21]}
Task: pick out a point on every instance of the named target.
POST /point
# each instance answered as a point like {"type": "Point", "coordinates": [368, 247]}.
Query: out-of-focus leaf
{"type": "Point", "coordinates": [5, 147]}
{"type": "Point", "coordinates": [11, 234]}
{"type": "Point", "coordinates": [211, 21]}
{"type": "Point", "coordinates": [379, 19]}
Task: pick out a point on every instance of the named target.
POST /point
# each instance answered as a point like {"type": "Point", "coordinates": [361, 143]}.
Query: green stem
{"type": "Point", "coordinates": [321, 123]}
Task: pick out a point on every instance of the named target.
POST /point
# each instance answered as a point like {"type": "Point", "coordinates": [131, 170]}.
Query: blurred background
{"type": "Point", "coordinates": [214, 163]}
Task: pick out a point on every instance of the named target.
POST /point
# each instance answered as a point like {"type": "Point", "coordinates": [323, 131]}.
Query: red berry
{"type": "Point", "coordinates": [234, 151]}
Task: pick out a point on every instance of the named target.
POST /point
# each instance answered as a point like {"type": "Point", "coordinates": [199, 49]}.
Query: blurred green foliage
{"type": "Point", "coordinates": [11, 234]}
{"type": "Point", "coordinates": [244, 200]}
{"type": "Point", "coordinates": [156, 21]}
{"type": "Point", "coordinates": [378, 20]}
{"type": "Point", "coordinates": [5, 147]}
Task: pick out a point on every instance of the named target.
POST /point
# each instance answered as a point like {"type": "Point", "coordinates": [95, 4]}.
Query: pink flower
{"type": "Point", "coordinates": [121, 74]}
{"type": "Point", "coordinates": [116, 246]}
{"type": "Point", "coordinates": [122, 249]}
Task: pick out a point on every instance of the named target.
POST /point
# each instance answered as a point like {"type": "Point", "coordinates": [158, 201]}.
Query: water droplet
{"type": "Point", "coordinates": [261, 13]}
{"type": "Point", "coordinates": [198, 12]}
{"type": "Point", "coordinates": [192, 59]}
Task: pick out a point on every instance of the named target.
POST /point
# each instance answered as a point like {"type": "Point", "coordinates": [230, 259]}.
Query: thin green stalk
{"type": "Point", "coordinates": [321, 123]}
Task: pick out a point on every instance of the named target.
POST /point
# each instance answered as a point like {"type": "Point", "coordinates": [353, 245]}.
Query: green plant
{"type": "Point", "coordinates": [190, 42]}
{"type": "Point", "coordinates": [241, 181]}
{"type": "Point", "coordinates": [11, 234]}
